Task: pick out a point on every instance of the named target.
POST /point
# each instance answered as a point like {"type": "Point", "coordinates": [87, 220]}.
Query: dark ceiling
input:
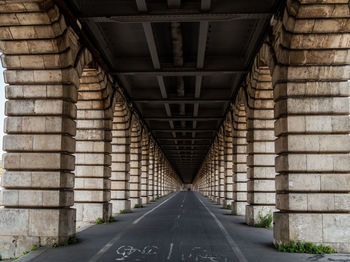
{"type": "Point", "coordinates": [180, 62]}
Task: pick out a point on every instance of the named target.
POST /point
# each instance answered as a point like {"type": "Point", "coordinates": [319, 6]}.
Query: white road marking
{"type": "Point", "coordinates": [229, 239]}
{"type": "Point", "coordinates": [149, 212]}
{"type": "Point", "coordinates": [105, 248]}
{"type": "Point", "coordinates": [170, 251]}
{"type": "Point", "coordinates": [115, 239]}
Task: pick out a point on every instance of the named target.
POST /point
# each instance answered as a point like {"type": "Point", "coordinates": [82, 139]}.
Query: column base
{"type": "Point", "coordinates": [21, 229]}
{"type": "Point", "coordinates": [252, 213]}
{"type": "Point", "coordinates": [221, 201]}
{"type": "Point", "coordinates": [144, 200]}
{"type": "Point", "coordinates": [238, 208]}
{"type": "Point", "coordinates": [88, 213]}
{"type": "Point", "coordinates": [135, 201]}
{"type": "Point", "coordinates": [118, 205]}
{"type": "Point", "coordinates": [227, 202]}
{"type": "Point", "coordinates": [327, 229]}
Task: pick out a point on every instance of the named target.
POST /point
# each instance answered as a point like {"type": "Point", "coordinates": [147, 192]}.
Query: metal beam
{"type": "Point", "coordinates": [151, 43]}
{"type": "Point", "coordinates": [184, 130]}
{"type": "Point", "coordinates": [172, 144]}
{"type": "Point", "coordinates": [186, 149]}
{"type": "Point", "coordinates": [180, 72]}
{"type": "Point", "coordinates": [184, 139]}
{"type": "Point", "coordinates": [174, 3]}
{"type": "Point", "coordinates": [174, 16]}
{"type": "Point", "coordinates": [175, 147]}
{"type": "Point", "coordinates": [162, 118]}
{"type": "Point", "coordinates": [181, 101]}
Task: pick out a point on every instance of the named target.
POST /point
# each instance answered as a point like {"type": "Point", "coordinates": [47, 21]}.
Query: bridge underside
{"type": "Point", "coordinates": [180, 63]}
{"type": "Point", "coordinates": [113, 104]}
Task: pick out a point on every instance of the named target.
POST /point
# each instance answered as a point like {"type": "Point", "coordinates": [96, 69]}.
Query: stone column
{"type": "Point", "coordinates": [135, 163]}
{"type": "Point", "coordinates": [93, 148]}
{"type": "Point", "coordinates": [311, 88]}
{"type": "Point", "coordinates": [228, 142]}
{"type": "Point", "coordinates": [156, 172]}
{"type": "Point", "coordinates": [217, 171]}
{"type": "Point", "coordinates": [160, 176]}
{"type": "Point", "coordinates": [120, 159]}
{"type": "Point", "coordinates": [212, 172]}
{"type": "Point", "coordinates": [144, 168]}
{"type": "Point", "coordinates": [239, 160]}
{"type": "Point", "coordinates": [221, 153]}
{"type": "Point", "coordinates": [261, 151]}
{"type": "Point", "coordinates": [40, 54]}
{"type": "Point", "coordinates": [151, 171]}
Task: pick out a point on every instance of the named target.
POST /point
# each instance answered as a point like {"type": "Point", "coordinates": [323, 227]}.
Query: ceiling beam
{"type": "Point", "coordinates": [174, 3]}
{"type": "Point", "coordinates": [176, 118]}
{"type": "Point", "coordinates": [181, 101]}
{"type": "Point", "coordinates": [152, 47]}
{"type": "Point", "coordinates": [176, 16]}
{"type": "Point", "coordinates": [187, 149]}
{"type": "Point", "coordinates": [172, 147]}
{"type": "Point", "coordinates": [177, 138]}
{"type": "Point", "coordinates": [184, 130]}
{"type": "Point", "coordinates": [180, 72]}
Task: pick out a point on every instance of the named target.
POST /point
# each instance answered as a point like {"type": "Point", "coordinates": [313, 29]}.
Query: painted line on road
{"type": "Point", "coordinates": [149, 212]}
{"type": "Point", "coordinates": [170, 251]}
{"type": "Point", "coordinates": [229, 239]}
{"type": "Point", "coordinates": [106, 247]}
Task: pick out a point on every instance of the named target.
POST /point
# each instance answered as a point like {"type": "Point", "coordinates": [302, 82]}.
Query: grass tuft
{"type": "Point", "coordinates": [72, 240]}
{"type": "Point", "coordinates": [265, 220]}
{"type": "Point", "coordinates": [99, 221]}
{"type": "Point", "coordinates": [111, 219]}
{"type": "Point", "coordinates": [32, 249]}
{"type": "Point", "coordinates": [300, 247]}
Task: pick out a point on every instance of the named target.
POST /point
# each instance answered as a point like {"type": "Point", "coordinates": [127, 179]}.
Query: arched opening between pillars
{"type": "Point", "coordinates": [145, 171]}
{"type": "Point", "coordinates": [228, 164]}
{"type": "Point", "coordinates": [120, 176]}
{"type": "Point", "coordinates": [261, 144]}
{"type": "Point", "coordinates": [93, 147]}
{"type": "Point", "coordinates": [135, 162]}
{"type": "Point", "coordinates": [151, 171]}
{"type": "Point", "coordinates": [239, 155]}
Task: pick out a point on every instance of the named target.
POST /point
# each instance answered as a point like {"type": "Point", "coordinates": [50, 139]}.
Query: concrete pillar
{"type": "Point", "coordinates": [221, 153]}
{"type": "Point", "coordinates": [135, 163]}
{"type": "Point", "coordinates": [217, 171]}
{"type": "Point", "coordinates": [212, 173]}
{"type": "Point", "coordinates": [120, 158]}
{"type": "Point", "coordinates": [144, 168]}
{"type": "Point", "coordinates": [311, 90]}
{"type": "Point", "coordinates": [239, 158]}
{"type": "Point", "coordinates": [38, 164]}
{"type": "Point", "coordinates": [161, 176]}
{"type": "Point", "coordinates": [228, 161]}
{"type": "Point", "coordinates": [151, 171]}
{"type": "Point", "coordinates": [93, 147]}
{"type": "Point", "coordinates": [156, 173]}
{"type": "Point", "coordinates": [261, 151]}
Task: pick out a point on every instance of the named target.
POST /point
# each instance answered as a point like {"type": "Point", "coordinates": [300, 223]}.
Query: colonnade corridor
{"type": "Point", "coordinates": [181, 228]}
{"type": "Point", "coordinates": [116, 108]}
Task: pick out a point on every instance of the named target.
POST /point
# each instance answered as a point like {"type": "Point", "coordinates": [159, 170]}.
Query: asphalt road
{"type": "Point", "coordinates": [184, 226]}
